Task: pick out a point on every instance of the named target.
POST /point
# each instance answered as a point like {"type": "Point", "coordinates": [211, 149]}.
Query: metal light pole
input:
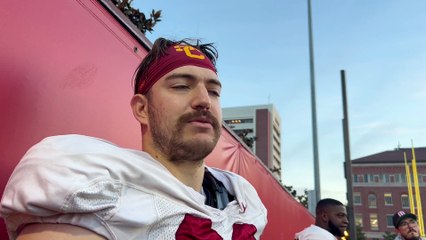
{"type": "Point", "coordinates": [313, 105]}
{"type": "Point", "coordinates": [348, 165]}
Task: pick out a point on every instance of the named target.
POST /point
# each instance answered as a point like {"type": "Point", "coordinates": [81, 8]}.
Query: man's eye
{"type": "Point", "coordinates": [180, 87]}
{"type": "Point", "coordinates": [214, 93]}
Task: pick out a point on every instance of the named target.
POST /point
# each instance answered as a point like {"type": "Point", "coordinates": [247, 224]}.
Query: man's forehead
{"type": "Point", "coordinates": [337, 208]}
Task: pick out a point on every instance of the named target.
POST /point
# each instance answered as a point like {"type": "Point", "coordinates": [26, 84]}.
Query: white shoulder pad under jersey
{"type": "Point", "coordinates": [314, 232]}
{"type": "Point", "coordinates": [121, 194]}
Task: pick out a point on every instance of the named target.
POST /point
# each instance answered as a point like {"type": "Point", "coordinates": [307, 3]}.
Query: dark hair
{"type": "Point", "coordinates": [159, 49]}
{"type": "Point", "coordinates": [323, 204]}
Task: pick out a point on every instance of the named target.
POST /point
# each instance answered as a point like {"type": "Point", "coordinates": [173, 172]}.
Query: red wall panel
{"type": "Point", "coordinates": [65, 67]}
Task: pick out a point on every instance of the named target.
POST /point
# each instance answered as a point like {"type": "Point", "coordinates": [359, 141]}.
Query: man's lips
{"type": "Point", "coordinates": [202, 122]}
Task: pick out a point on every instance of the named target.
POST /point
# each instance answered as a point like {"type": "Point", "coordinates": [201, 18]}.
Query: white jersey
{"type": "Point", "coordinates": [121, 194]}
{"type": "Point", "coordinates": [314, 232]}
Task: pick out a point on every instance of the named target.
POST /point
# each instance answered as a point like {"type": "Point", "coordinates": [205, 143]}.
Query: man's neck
{"type": "Point", "coordinates": [190, 173]}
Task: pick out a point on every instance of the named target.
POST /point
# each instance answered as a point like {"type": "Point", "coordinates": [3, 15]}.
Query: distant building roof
{"type": "Point", "coordinates": [394, 156]}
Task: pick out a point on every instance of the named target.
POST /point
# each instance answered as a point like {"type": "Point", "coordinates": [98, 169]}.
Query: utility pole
{"type": "Point", "coordinates": [313, 106]}
{"type": "Point", "coordinates": [348, 165]}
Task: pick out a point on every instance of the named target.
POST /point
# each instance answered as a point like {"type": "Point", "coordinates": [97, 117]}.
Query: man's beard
{"type": "Point", "coordinates": [333, 229]}
{"type": "Point", "coordinates": [170, 141]}
{"type": "Point", "coordinates": [412, 238]}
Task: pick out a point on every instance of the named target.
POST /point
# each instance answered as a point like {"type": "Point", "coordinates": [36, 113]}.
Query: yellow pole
{"type": "Point", "coordinates": [409, 186]}
{"type": "Point", "coordinates": [417, 190]}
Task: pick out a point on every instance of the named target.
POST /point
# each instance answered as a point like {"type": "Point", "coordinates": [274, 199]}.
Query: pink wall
{"type": "Point", "coordinates": [65, 67]}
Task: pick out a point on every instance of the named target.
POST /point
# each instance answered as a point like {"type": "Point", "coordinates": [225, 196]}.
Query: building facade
{"type": "Point", "coordinates": [260, 124]}
{"type": "Point", "coordinates": [380, 188]}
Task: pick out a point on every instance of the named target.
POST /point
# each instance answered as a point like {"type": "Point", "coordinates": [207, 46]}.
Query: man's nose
{"type": "Point", "coordinates": [201, 98]}
{"type": "Point", "coordinates": [346, 220]}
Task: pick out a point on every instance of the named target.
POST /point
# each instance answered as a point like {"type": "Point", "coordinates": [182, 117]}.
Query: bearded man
{"type": "Point", "coordinates": [331, 221]}
{"type": "Point", "coordinates": [406, 226]}
{"type": "Point", "coordinates": [80, 187]}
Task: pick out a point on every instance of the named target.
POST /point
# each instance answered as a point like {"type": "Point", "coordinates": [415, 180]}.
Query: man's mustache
{"type": "Point", "coordinates": [197, 115]}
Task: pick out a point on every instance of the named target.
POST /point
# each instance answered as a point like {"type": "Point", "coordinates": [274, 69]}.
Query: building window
{"type": "Point", "coordinates": [404, 201]}
{"type": "Point", "coordinates": [355, 178]}
{"type": "Point", "coordinates": [361, 178]}
{"type": "Point", "coordinates": [374, 222]}
{"type": "Point", "coordinates": [386, 178]}
{"type": "Point", "coordinates": [392, 178]}
{"type": "Point", "coordinates": [357, 198]}
{"type": "Point", "coordinates": [368, 178]}
{"type": "Point", "coordinates": [372, 203]}
{"type": "Point", "coordinates": [389, 221]}
{"type": "Point", "coordinates": [238, 121]}
{"type": "Point", "coordinates": [398, 178]}
{"type": "Point", "coordinates": [376, 178]}
{"type": "Point", "coordinates": [388, 199]}
{"type": "Point", "coordinates": [358, 219]}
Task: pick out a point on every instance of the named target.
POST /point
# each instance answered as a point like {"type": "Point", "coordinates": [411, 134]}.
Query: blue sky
{"type": "Point", "coordinates": [264, 58]}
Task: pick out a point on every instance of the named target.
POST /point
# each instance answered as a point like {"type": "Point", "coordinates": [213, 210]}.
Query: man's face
{"type": "Point", "coordinates": [409, 229]}
{"type": "Point", "coordinates": [337, 220]}
{"type": "Point", "coordinates": [184, 113]}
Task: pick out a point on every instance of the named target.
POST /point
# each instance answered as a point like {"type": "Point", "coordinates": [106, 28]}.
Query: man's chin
{"type": "Point", "coordinates": [198, 148]}
{"type": "Point", "coordinates": [204, 146]}
{"type": "Point", "coordinates": [411, 235]}
{"type": "Point", "coordinates": [205, 139]}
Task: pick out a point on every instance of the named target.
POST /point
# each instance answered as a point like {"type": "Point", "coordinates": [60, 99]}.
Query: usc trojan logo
{"type": "Point", "coordinates": [193, 227]}
{"type": "Point", "coordinates": [190, 52]}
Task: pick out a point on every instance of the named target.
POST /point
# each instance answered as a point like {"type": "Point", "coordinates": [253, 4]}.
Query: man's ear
{"type": "Point", "coordinates": [139, 104]}
{"type": "Point", "coordinates": [324, 216]}
{"type": "Point", "coordinates": [397, 231]}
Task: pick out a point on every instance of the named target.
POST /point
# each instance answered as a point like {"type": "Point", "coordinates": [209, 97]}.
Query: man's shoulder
{"type": "Point", "coordinates": [75, 143]}
{"type": "Point", "coordinates": [314, 232]}
{"type": "Point", "coordinates": [311, 228]}
{"type": "Point", "coordinates": [71, 166]}
{"type": "Point", "coordinates": [63, 150]}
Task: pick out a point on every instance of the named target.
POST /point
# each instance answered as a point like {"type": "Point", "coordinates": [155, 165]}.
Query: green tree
{"type": "Point", "coordinates": [303, 199]}
{"type": "Point", "coordinates": [247, 140]}
{"type": "Point", "coordinates": [136, 17]}
{"type": "Point", "coordinates": [359, 233]}
{"type": "Point", "coordinates": [389, 236]}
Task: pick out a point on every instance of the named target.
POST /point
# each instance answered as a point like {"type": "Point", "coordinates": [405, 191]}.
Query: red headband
{"type": "Point", "coordinates": [176, 56]}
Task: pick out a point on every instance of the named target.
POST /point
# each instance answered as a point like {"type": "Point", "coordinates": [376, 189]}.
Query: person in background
{"type": "Point", "coordinates": [81, 187]}
{"type": "Point", "coordinates": [330, 222]}
{"type": "Point", "coordinates": [406, 226]}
